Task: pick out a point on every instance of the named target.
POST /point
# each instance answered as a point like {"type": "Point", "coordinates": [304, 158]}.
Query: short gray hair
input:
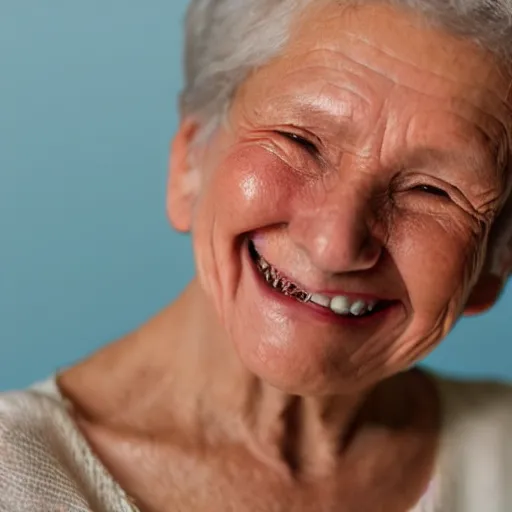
{"type": "Point", "coordinates": [227, 39]}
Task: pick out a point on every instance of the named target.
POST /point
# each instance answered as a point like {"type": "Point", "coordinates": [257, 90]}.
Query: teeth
{"type": "Point", "coordinates": [358, 308]}
{"type": "Point", "coordinates": [291, 288]}
{"type": "Point", "coordinates": [343, 306]}
{"type": "Point", "coordinates": [321, 300]}
{"type": "Point", "coordinates": [263, 264]}
{"type": "Point", "coordinates": [340, 305]}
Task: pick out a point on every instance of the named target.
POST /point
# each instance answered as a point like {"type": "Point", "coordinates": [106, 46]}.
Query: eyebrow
{"type": "Point", "coordinates": [424, 156]}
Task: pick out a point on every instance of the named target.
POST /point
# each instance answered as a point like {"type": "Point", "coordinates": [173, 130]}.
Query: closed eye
{"type": "Point", "coordinates": [309, 146]}
{"type": "Point", "coordinates": [435, 191]}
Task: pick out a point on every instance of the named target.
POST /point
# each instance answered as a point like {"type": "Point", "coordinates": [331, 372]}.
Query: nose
{"type": "Point", "coordinates": [337, 230]}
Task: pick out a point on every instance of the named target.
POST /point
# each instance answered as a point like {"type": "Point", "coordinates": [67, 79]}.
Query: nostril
{"type": "Point", "coordinates": [371, 251]}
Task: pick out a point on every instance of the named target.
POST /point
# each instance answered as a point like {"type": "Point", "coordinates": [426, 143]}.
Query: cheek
{"type": "Point", "coordinates": [251, 188]}
{"type": "Point", "coordinates": [436, 258]}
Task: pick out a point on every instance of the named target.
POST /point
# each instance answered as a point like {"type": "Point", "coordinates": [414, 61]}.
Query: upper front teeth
{"type": "Point", "coordinates": [321, 300]}
{"type": "Point", "coordinates": [342, 305]}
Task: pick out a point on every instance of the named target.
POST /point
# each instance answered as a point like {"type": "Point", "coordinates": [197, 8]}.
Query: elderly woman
{"type": "Point", "coordinates": [343, 170]}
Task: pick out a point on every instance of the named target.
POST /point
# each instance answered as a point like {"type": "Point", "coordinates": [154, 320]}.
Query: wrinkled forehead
{"type": "Point", "coordinates": [393, 41]}
{"type": "Point", "coordinates": [382, 45]}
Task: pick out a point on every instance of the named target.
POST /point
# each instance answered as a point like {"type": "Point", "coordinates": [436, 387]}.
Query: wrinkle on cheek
{"type": "Point", "coordinates": [407, 351]}
{"type": "Point", "coordinates": [445, 252]}
{"type": "Point", "coordinates": [475, 259]}
{"type": "Point", "coordinates": [473, 240]}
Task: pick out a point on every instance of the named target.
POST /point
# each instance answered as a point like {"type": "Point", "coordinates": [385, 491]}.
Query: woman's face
{"type": "Point", "coordinates": [363, 166]}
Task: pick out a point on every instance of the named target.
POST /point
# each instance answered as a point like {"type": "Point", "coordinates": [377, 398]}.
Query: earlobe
{"type": "Point", "coordinates": [492, 281]}
{"type": "Point", "coordinates": [183, 182]}
{"type": "Point", "coordinates": [484, 295]}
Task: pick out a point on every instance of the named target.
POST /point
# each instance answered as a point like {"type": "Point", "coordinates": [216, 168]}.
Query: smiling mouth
{"type": "Point", "coordinates": [340, 305]}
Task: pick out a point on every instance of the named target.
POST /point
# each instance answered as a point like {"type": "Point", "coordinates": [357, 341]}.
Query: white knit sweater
{"type": "Point", "coordinates": [46, 465]}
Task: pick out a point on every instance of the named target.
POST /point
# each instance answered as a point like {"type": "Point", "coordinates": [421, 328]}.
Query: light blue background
{"type": "Point", "coordinates": [87, 108]}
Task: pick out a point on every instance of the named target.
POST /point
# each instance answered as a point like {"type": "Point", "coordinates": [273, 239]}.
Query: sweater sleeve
{"type": "Point", "coordinates": [475, 457]}
{"type": "Point", "coordinates": [45, 463]}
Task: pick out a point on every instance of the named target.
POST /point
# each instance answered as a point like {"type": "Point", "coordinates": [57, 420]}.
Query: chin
{"type": "Point", "coordinates": [304, 373]}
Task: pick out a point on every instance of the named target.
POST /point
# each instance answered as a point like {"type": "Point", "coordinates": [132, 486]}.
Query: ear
{"type": "Point", "coordinates": [490, 284]}
{"type": "Point", "coordinates": [183, 184]}
{"type": "Point", "coordinates": [485, 294]}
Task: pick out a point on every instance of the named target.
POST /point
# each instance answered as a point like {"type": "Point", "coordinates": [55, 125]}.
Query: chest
{"type": "Point", "coordinates": [238, 484]}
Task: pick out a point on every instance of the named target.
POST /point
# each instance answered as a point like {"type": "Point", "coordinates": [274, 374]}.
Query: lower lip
{"type": "Point", "coordinates": [314, 310]}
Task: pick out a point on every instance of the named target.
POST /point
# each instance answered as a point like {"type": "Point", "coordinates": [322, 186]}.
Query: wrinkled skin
{"type": "Point", "coordinates": [365, 158]}
{"type": "Point", "coordinates": [385, 119]}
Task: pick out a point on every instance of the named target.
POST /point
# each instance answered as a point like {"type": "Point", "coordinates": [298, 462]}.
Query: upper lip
{"type": "Point", "coordinates": [367, 297]}
{"type": "Point", "coordinates": [330, 291]}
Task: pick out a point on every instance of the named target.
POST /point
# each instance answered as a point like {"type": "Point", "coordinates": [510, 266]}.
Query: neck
{"type": "Point", "coordinates": [180, 374]}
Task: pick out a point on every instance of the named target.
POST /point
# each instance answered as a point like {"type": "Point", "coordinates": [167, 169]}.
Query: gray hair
{"type": "Point", "coordinates": [227, 39]}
